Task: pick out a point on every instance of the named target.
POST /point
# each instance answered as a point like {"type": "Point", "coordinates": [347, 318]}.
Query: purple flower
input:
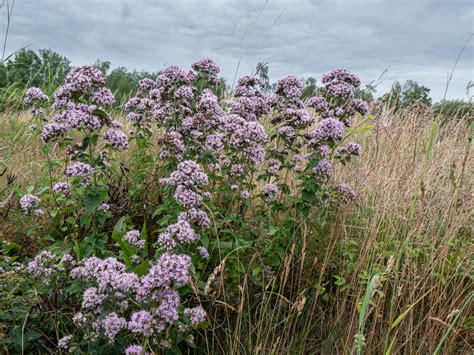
{"type": "Point", "coordinates": [169, 302]}
{"type": "Point", "coordinates": [183, 232]}
{"type": "Point", "coordinates": [250, 108]}
{"type": "Point", "coordinates": [245, 194]}
{"type": "Point", "coordinates": [207, 66]}
{"type": "Point", "coordinates": [349, 150]}
{"type": "Point", "coordinates": [172, 140]}
{"type": "Point", "coordinates": [184, 93]}
{"type": "Point", "coordinates": [270, 192]}
{"type": "Point", "coordinates": [214, 142]}
{"type": "Point", "coordinates": [286, 132]}
{"type": "Point", "coordinates": [273, 166]}
{"type": "Point", "coordinates": [103, 97]}
{"type": "Point", "coordinates": [319, 104]}
{"type": "Point", "coordinates": [188, 174]}
{"type": "Point", "coordinates": [323, 168]}
{"type": "Point", "coordinates": [109, 274]}
{"type": "Point", "coordinates": [43, 265]}
{"type": "Point", "coordinates": [79, 320]}
{"type": "Point", "coordinates": [249, 86]}
{"type": "Point", "coordinates": [237, 170]}
{"type": "Point", "coordinates": [79, 116]}
{"type": "Point", "coordinates": [340, 89]}
{"type": "Point", "coordinates": [82, 80]}
{"type": "Point", "coordinates": [187, 197]}
{"type": "Point", "coordinates": [52, 130]}
{"type": "Point", "coordinates": [166, 241]}
{"type": "Point", "coordinates": [105, 207]}
{"type": "Point", "coordinates": [92, 299]}
{"type": "Point", "coordinates": [116, 138]}
{"type": "Point", "coordinates": [147, 84]}
{"type": "Point", "coordinates": [346, 192]}
{"type": "Point", "coordinates": [203, 252]}
{"type": "Point", "coordinates": [209, 105]}
{"type": "Point", "coordinates": [133, 238]}
{"type": "Point", "coordinates": [196, 216]}
{"type": "Point", "coordinates": [341, 75]}
{"type": "Point", "coordinates": [63, 343]}
{"type": "Point", "coordinates": [290, 87]}
{"type": "Point", "coordinates": [112, 325]}
{"type": "Point", "coordinates": [298, 118]}
{"type": "Point", "coordinates": [135, 350]}
{"type": "Point", "coordinates": [324, 151]}
{"type": "Point", "coordinates": [135, 117]}
{"type": "Point", "coordinates": [173, 75]}
{"type": "Point", "coordinates": [141, 322]}
{"type": "Point", "coordinates": [62, 188]}
{"type": "Point", "coordinates": [33, 95]}
{"type": "Point", "coordinates": [171, 268]}
{"type": "Point", "coordinates": [29, 202]}
{"type": "Point", "coordinates": [37, 111]}
{"type": "Point", "coordinates": [329, 129]}
{"type": "Point", "coordinates": [81, 170]}
{"type": "Point", "coordinates": [196, 315]}
{"type": "Point", "coordinates": [38, 212]}
{"type": "Point", "coordinates": [360, 106]}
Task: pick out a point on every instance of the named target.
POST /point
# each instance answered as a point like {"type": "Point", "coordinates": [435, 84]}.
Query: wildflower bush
{"type": "Point", "coordinates": [139, 219]}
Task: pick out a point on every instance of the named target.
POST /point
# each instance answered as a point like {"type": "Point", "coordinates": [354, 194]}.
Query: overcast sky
{"type": "Point", "coordinates": [415, 39]}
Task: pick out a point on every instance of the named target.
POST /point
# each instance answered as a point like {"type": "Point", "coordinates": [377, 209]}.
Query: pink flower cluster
{"type": "Point", "coordinates": [189, 180]}
{"type": "Point", "coordinates": [80, 170]}
{"type": "Point", "coordinates": [148, 304]}
{"type": "Point", "coordinates": [134, 238]}
{"type": "Point", "coordinates": [34, 95]}
{"type": "Point", "coordinates": [29, 203]}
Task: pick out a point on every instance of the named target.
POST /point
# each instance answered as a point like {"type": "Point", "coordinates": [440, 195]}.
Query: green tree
{"type": "Point", "coordinates": [413, 92]}
{"type": "Point", "coordinates": [406, 95]}
{"type": "Point", "coordinates": [104, 66]}
{"type": "Point", "coordinates": [262, 71]}
{"type": "Point", "coordinates": [365, 93]}
{"type": "Point", "coordinates": [45, 69]}
{"type": "Point", "coordinates": [310, 88]}
{"type": "Point", "coordinates": [124, 83]}
{"type": "Point", "coordinates": [393, 98]}
{"type": "Point", "coordinates": [454, 109]}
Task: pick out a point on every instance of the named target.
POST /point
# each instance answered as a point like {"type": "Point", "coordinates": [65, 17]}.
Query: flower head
{"type": "Point", "coordinates": [81, 170]}
{"type": "Point", "coordinates": [29, 202]}
{"type": "Point", "coordinates": [34, 95]}
{"type": "Point", "coordinates": [270, 192]}
{"type": "Point", "coordinates": [116, 138]}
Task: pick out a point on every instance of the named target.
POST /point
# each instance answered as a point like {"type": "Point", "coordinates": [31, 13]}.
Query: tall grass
{"type": "Point", "coordinates": [394, 273]}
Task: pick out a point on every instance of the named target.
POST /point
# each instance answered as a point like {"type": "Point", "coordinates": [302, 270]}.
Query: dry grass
{"type": "Point", "coordinates": [411, 224]}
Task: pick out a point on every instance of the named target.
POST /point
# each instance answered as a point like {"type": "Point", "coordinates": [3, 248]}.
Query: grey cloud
{"type": "Point", "coordinates": [418, 39]}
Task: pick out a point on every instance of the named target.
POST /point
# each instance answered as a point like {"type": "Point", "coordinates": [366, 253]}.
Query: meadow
{"type": "Point", "coordinates": [257, 223]}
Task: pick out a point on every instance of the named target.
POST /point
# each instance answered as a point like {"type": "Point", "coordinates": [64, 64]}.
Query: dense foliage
{"type": "Point", "coordinates": [122, 267]}
{"type": "Point", "coordinates": [198, 219]}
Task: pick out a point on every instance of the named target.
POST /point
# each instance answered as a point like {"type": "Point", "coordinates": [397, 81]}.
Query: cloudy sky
{"type": "Point", "coordinates": [414, 39]}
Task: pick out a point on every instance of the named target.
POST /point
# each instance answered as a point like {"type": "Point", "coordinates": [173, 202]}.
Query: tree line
{"type": "Point", "coordinates": [47, 69]}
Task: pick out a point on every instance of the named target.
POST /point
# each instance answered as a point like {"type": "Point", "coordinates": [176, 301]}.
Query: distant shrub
{"type": "Point", "coordinates": [454, 109]}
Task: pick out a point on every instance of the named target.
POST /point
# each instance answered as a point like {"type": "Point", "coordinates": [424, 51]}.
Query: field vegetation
{"type": "Point", "coordinates": [167, 212]}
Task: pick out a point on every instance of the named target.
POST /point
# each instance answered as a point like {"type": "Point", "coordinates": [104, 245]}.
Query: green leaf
{"type": "Point", "coordinates": [404, 314]}
{"type": "Point", "coordinates": [119, 231]}
{"type": "Point", "coordinates": [92, 201]}
{"type": "Point", "coordinates": [142, 269]}
{"type": "Point", "coordinates": [272, 230]}
{"type": "Point", "coordinates": [94, 197]}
